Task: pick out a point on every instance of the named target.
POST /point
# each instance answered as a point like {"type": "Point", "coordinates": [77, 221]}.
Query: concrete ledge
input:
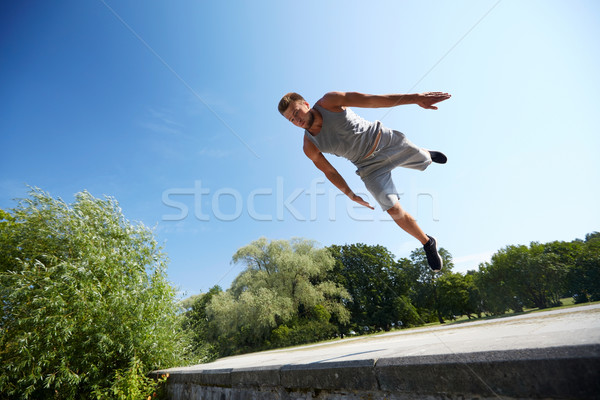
{"type": "Point", "coordinates": [258, 377]}
{"type": "Point", "coordinates": [350, 375]}
{"type": "Point", "coordinates": [558, 373]}
{"type": "Point", "coordinates": [564, 364]}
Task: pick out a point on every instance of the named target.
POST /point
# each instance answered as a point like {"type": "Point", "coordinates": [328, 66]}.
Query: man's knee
{"type": "Point", "coordinates": [397, 211]}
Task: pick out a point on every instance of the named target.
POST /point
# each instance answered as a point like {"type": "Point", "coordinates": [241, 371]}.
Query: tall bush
{"type": "Point", "coordinates": [83, 293]}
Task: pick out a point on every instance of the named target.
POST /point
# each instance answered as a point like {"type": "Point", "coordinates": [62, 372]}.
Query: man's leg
{"type": "Point", "coordinates": [408, 223]}
{"type": "Point", "coordinates": [383, 189]}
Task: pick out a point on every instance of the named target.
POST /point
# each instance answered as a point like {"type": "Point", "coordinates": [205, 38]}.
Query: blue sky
{"type": "Point", "coordinates": [170, 107]}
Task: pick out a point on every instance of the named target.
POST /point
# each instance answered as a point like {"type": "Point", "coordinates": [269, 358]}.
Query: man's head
{"type": "Point", "coordinates": [296, 110]}
{"type": "Point", "coordinates": [288, 99]}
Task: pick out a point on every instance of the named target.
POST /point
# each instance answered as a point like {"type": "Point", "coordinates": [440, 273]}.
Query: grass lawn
{"type": "Point", "coordinates": [567, 302]}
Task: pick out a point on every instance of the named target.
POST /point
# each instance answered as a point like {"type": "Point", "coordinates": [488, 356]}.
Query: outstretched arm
{"type": "Point", "coordinates": [337, 101]}
{"type": "Point", "coordinates": [331, 173]}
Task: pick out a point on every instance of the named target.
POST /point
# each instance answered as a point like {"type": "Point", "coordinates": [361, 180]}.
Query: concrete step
{"type": "Point", "coordinates": [544, 355]}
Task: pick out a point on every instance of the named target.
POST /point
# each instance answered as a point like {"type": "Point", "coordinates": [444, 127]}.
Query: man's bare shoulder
{"type": "Point", "coordinates": [333, 101]}
{"type": "Point", "coordinates": [310, 149]}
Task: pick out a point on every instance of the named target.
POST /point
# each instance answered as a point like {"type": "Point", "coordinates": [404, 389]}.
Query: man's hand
{"type": "Point", "coordinates": [360, 201]}
{"type": "Point", "coordinates": [428, 99]}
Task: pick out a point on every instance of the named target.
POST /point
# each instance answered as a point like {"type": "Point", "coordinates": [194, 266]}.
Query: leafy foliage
{"type": "Point", "coordinates": [584, 277]}
{"type": "Point", "coordinates": [83, 293]}
{"type": "Point", "coordinates": [195, 324]}
{"type": "Point", "coordinates": [292, 293]}
{"type": "Point", "coordinates": [424, 284]}
{"type": "Point", "coordinates": [283, 286]}
{"type": "Point", "coordinates": [377, 287]}
{"type": "Point", "coordinates": [132, 383]}
{"type": "Point", "coordinates": [86, 309]}
{"type": "Point", "coordinates": [520, 276]}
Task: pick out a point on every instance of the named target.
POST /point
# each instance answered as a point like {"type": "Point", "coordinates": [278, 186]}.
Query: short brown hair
{"type": "Point", "coordinates": [286, 100]}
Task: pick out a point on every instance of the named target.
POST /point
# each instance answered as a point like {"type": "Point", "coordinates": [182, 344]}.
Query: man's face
{"type": "Point", "coordinates": [299, 114]}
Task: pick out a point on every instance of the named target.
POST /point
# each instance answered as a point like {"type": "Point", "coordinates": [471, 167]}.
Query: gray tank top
{"type": "Point", "coordinates": [345, 134]}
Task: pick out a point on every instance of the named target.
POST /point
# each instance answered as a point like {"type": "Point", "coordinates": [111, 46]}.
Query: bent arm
{"type": "Point", "coordinates": [325, 166]}
{"type": "Point", "coordinates": [337, 101]}
{"type": "Point", "coordinates": [330, 172]}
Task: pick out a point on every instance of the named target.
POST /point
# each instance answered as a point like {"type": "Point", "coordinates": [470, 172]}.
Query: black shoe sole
{"type": "Point", "coordinates": [438, 157]}
{"type": "Point", "coordinates": [433, 257]}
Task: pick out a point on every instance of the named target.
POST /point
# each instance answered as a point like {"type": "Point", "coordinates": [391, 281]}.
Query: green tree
{"type": "Point", "coordinates": [499, 281]}
{"type": "Point", "coordinates": [376, 286]}
{"type": "Point", "coordinates": [424, 289]}
{"type": "Point", "coordinates": [475, 302]}
{"type": "Point", "coordinates": [453, 291]}
{"type": "Point", "coordinates": [83, 293]}
{"type": "Point", "coordinates": [519, 276]}
{"type": "Point", "coordinates": [284, 283]}
{"type": "Point", "coordinates": [584, 277]}
{"type": "Point", "coordinates": [195, 324]}
{"type": "Point", "coordinates": [544, 275]}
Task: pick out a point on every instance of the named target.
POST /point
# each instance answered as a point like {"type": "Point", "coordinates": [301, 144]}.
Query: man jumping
{"type": "Point", "coordinates": [331, 127]}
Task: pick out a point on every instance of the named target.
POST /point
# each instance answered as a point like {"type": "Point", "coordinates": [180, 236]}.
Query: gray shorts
{"type": "Point", "coordinates": [394, 150]}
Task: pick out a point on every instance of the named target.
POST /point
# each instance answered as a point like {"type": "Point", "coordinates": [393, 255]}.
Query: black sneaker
{"type": "Point", "coordinates": [438, 157]}
{"type": "Point", "coordinates": [433, 257]}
